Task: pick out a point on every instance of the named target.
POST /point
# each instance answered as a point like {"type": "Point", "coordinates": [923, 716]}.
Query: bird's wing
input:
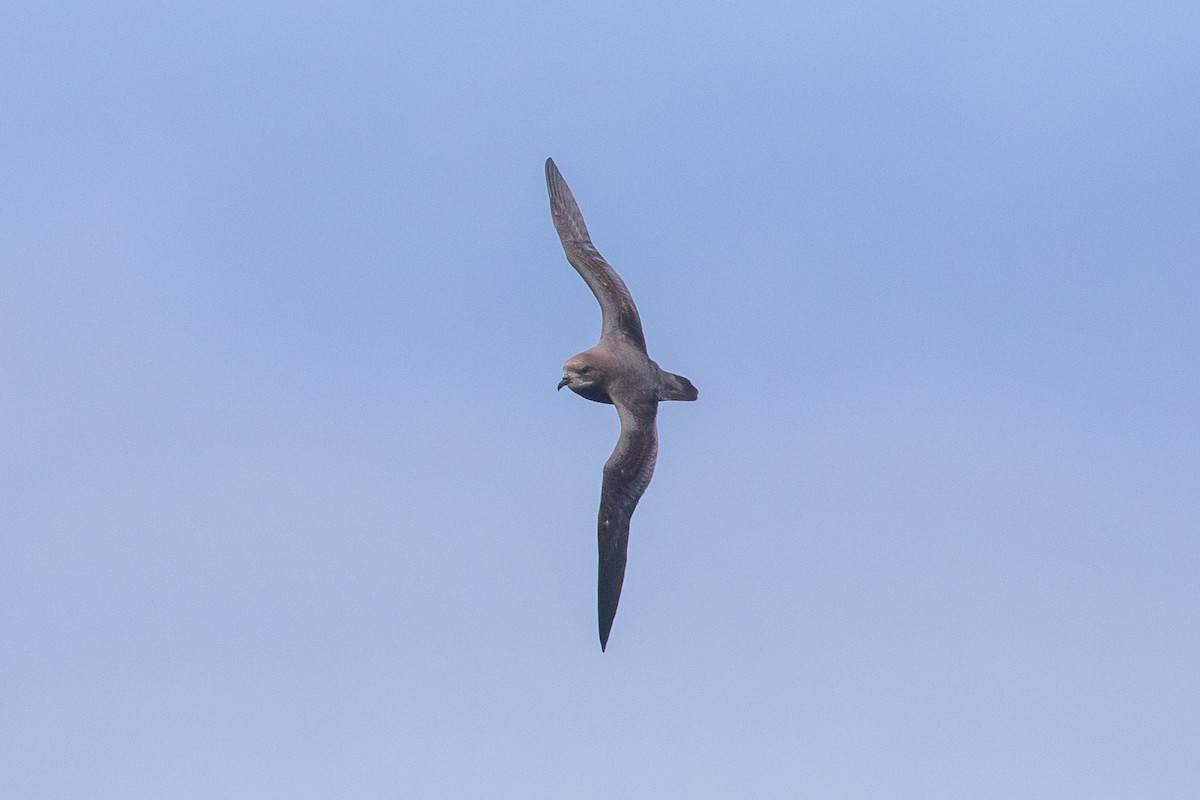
{"type": "Point", "coordinates": [616, 304]}
{"type": "Point", "coordinates": [626, 476]}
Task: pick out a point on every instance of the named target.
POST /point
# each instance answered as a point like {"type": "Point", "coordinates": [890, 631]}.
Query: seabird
{"type": "Point", "coordinates": [618, 371]}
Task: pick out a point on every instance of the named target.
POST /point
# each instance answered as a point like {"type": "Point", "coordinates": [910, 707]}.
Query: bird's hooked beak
{"type": "Point", "coordinates": [563, 382]}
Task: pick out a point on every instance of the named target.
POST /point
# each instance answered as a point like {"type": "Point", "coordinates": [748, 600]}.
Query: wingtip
{"type": "Point", "coordinates": [554, 178]}
{"type": "Point", "coordinates": [605, 630]}
{"type": "Point", "coordinates": [568, 220]}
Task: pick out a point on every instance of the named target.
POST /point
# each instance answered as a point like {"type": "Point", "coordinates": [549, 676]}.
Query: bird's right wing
{"type": "Point", "coordinates": [626, 475]}
{"type": "Point", "coordinates": [616, 304]}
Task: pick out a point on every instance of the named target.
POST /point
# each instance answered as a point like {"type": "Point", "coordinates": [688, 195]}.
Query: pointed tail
{"type": "Point", "coordinates": [675, 387]}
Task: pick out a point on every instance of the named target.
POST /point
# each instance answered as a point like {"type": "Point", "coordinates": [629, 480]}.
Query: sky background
{"type": "Point", "coordinates": [290, 507]}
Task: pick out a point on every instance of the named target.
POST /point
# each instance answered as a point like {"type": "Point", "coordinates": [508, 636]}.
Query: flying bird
{"type": "Point", "coordinates": [618, 371]}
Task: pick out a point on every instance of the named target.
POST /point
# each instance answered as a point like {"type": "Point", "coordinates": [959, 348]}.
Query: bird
{"type": "Point", "coordinates": [618, 371]}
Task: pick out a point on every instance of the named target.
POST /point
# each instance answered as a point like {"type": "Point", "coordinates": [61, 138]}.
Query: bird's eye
{"type": "Point", "coordinates": [585, 369]}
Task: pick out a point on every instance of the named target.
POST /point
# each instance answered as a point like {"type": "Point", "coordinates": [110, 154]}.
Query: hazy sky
{"type": "Point", "coordinates": [290, 508]}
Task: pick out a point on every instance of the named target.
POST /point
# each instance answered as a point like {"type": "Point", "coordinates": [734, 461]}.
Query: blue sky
{"type": "Point", "coordinates": [291, 508]}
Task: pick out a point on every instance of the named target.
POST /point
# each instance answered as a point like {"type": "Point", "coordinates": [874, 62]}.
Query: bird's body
{"type": "Point", "coordinates": [616, 370]}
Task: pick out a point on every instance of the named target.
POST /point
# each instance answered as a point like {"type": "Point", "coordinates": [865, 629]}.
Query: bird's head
{"type": "Point", "coordinates": [579, 374]}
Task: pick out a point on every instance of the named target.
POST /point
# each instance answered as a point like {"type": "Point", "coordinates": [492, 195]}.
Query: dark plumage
{"type": "Point", "coordinates": [617, 371]}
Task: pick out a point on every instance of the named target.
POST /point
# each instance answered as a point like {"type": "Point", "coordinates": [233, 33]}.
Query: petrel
{"type": "Point", "coordinates": [618, 371]}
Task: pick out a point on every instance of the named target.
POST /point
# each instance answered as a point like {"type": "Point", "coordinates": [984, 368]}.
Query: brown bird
{"type": "Point", "coordinates": [617, 371]}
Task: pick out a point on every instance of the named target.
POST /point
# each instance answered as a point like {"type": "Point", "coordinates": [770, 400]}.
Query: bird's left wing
{"type": "Point", "coordinates": [616, 304]}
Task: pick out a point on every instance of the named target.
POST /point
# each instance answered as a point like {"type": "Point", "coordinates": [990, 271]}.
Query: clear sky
{"type": "Point", "coordinates": [290, 507]}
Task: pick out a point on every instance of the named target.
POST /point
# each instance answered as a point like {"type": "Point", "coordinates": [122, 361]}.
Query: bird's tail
{"type": "Point", "coordinates": [675, 387]}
